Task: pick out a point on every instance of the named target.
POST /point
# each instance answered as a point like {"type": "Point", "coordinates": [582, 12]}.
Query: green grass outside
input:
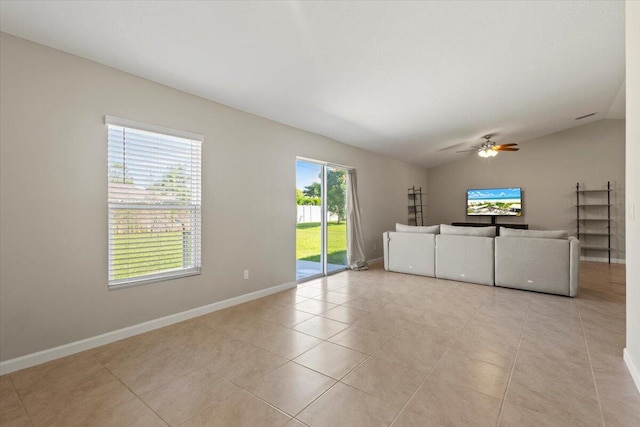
{"type": "Point", "coordinates": [309, 238]}
{"type": "Point", "coordinates": [130, 245]}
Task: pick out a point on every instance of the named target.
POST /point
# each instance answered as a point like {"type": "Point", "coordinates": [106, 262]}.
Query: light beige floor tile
{"type": "Point", "coordinates": [560, 349]}
{"type": "Point", "coordinates": [344, 405]}
{"type": "Point", "coordinates": [215, 348]}
{"type": "Point", "coordinates": [185, 397]}
{"type": "Point", "coordinates": [614, 382]}
{"type": "Point", "coordinates": [485, 351]}
{"type": "Point", "coordinates": [287, 316]}
{"type": "Point", "coordinates": [344, 314]}
{"type": "Point", "coordinates": [292, 387]}
{"type": "Point", "coordinates": [385, 380]}
{"type": "Point", "coordinates": [239, 410]}
{"type": "Point", "coordinates": [15, 418]}
{"type": "Point", "coordinates": [331, 359]}
{"type": "Point", "coordinates": [9, 400]}
{"type": "Point", "coordinates": [419, 300]}
{"type": "Point", "coordinates": [501, 334]}
{"type": "Point", "coordinates": [133, 413]}
{"type": "Point", "coordinates": [509, 298]}
{"type": "Point", "coordinates": [255, 330]}
{"type": "Point", "coordinates": [308, 292]}
{"type": "Point", "coordinates": [286, 298]}
{"type": "Point", "coordinates": [559, 398]}
{"type": "Point", "coordinates": [52, 377]}
{"type": "Point", "coordinates": [287, 343]}
{"type": "Point", "coordinates": [334, 297]}
{"type": "Point", "coordinates": [458, 368]}
{"type": "Point", "coordinates": [451, 305]}
{"type": "Point", "coordinates": [565, 327]}
{"type": "Point", "coordinates": [540, 369]}
{"type": "Point", "coordinates": [225, 319]}
{"type": "Point", "coordinates": [350, 291]}
{"type": "Point", "coordinates": [501, 316]}
{"type": "Point", "coordinates": [419, 355]}
{"type": "Point", "coordinates": [320, 327]}
{"type": "Point", "coordinates": [454, 405]}
{"type": "Point", "coordinates": [410, 419]}
{"type": "Point", "coordinates": [437, 321]}
{"type": "Point", "coordinates": [401, 312]}
{"type": "Point", "coordinates": [245, 365]}
{"type": "Point", "coordinates": [142, 375]}
{"type": "Point", "coordinates": [314, 306]}
{"type": "Point", "coordinates": [624, 411]}
{"type": "Point", "coordinates": [78, 404]}
{"type": "Point", "coordinates": [615, 338]}
{"type": "Point", "coordinates": [366, 303]}
{"type": "Point", "coordinates": [381, 323]}
{"type": "Point", "coordinates": [418, 332]}
{"type": "Point", "coordinates": [362, 340]}
{"type": "Point", "coordinates": [551, 305]}
{"type": "Point", "coordinates": [513, 415]}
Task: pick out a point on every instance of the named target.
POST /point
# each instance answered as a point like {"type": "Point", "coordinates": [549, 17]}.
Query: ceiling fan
{"type": "Point", "coordinates": [489, 148]}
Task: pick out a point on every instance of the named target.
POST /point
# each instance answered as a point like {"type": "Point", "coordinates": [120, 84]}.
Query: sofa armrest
{"type": "Point", "coordinates": [385, 249]}
{"type": "Point", "coordinates": [574, 266]}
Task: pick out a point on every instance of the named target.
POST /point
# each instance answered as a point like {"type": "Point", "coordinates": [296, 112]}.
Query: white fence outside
{"type": "Point", "coordinates": [311, 213]}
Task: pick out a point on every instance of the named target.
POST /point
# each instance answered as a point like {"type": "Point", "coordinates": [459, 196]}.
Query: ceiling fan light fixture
{"type": "Point", "coordinates": [487, 152]}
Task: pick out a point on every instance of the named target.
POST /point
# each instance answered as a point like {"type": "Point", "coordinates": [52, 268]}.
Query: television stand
{"type": "Point", "coordinates": [493, 222]}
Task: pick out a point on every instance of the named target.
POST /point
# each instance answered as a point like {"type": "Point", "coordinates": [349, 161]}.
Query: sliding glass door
{"type": "Point", "coordinates": [321, 229]}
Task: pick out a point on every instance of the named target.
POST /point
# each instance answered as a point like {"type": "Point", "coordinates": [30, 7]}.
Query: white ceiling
{"type": "Point", "coordinates": [404, 79]}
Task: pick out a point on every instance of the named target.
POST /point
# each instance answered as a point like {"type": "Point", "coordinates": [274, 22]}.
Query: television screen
{"type": "Point", "coordinates": [494, 201]}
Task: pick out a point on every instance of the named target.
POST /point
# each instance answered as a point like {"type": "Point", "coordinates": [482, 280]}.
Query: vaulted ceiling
{"type": "Point", "coordinates": [413, 80]}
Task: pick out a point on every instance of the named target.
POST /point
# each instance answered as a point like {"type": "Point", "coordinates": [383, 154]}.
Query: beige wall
{"type": "Point", "coordinates": [53, 209]}
{"type": "Point", "coordinates": [547, 169]}
{"type": "Point", "coordinates": [633, 186]}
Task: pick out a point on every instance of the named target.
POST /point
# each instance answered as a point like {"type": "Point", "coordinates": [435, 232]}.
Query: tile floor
{"type": "Point", "coordinates": [356, 349]}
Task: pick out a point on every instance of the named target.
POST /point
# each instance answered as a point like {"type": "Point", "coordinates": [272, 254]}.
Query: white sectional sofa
{"type": "Point", "coordinates": [542, 261]}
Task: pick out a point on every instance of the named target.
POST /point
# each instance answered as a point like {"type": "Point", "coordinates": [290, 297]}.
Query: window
{"type": "Point", "coordinates": [154, 202]}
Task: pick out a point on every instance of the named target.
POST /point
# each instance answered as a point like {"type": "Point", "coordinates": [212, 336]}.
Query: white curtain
{"type": "Point", "coordinates": [356, 257]}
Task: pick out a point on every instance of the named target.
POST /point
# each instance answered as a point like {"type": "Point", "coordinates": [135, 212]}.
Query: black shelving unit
{"type": "Point", "coordinates": [416, 207]}
{"type": "Point", "coordinates": [590, 210]}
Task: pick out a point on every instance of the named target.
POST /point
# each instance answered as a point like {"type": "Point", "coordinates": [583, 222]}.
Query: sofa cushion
{"type": "Point", "coordinates": [541, 265]}
{"type": "Point", "coordinates": [431, 229]}
{"type": "Point", "coordinates": [465, 258]}
{"type": "Point", "coordinates": [412, 253]}
{"type": "Point", "coordinates": [540, 234]}
{"type": "Point", "coordinates": [468, 231]}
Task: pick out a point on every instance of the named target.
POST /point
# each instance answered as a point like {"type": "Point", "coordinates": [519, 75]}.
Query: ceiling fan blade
{"type": "Point", "coordinates": [506, 145]}
{"type": "Point", "coordinates": [467, 151]}
{"type": "Point", "coordinates": [505, 149]}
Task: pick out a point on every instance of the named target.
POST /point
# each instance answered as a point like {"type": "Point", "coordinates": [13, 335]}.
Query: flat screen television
{"type": "Point", "coordinates": [494, 202]}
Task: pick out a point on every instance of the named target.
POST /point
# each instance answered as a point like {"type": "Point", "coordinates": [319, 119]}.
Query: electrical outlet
{"type": "Point", "coordinates": [375, 246]}
{"type": "Point", "coordinates": [246, 274]}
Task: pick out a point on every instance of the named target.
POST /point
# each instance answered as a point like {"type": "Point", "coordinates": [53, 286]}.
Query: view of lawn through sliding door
{"type": "Point", "coordinates": [321, 228]}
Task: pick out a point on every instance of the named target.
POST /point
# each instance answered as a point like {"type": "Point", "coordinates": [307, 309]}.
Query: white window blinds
{"type": "Point", "coordinates": [154, 203]}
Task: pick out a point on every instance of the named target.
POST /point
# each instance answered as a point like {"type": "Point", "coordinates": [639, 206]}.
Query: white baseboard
{"type": "Point", "coordinates": [47, 355]}
{"type": "Point", "coordinates": [599, 259]}
{"type": "Point", "coordinates": [633, 369]}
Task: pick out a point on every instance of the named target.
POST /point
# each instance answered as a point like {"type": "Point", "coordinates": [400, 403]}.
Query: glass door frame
{"type": "Point", "coordinates": [324, 255]}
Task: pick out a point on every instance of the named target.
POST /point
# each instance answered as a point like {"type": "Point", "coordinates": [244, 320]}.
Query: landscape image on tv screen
{"type": "Point", "coordinates": [495, 201]}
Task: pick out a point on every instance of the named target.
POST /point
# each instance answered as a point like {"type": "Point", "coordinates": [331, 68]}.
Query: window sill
{"type": "Point", "coordinates": [128, 283]}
